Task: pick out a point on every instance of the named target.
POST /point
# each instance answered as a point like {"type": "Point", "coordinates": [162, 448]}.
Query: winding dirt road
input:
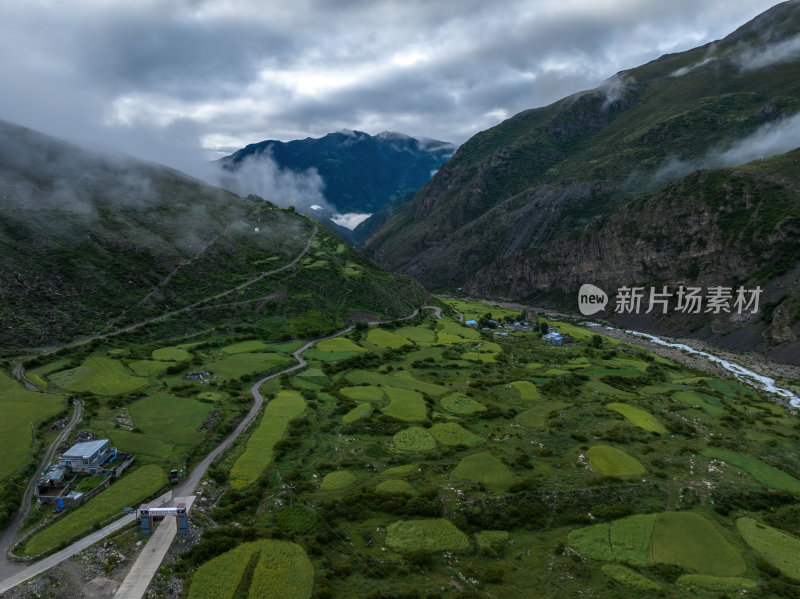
{"type": "Point", "coordinates": [170, 314]}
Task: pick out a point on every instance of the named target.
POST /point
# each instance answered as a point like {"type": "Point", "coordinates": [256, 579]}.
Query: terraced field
{"type": "Point", "coordinates": [405, 459]}
{"type": "Point", "coordinates": [266, 568]}
{"type": "Point", "coordinates": [286, 406]}
{"type": "Point", "coordinates": [99, 375]}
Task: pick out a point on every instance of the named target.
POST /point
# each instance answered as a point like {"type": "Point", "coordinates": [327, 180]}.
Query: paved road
{"type": "Point", "coordinates": [7, 568]}
{"type": "Point", "coordinates": [188, 487]}
{"type": "Point", "coordinates": [19, 374]}
{"type": "Point", "coordinates": [78, 546]}
{"type": "Point", "coordinates": [57, 558]}
{"type": "Point", "coordinates": [148, 561]}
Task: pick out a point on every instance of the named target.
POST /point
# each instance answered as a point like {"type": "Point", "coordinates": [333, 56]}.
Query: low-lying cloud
{"type": "Point", "coordinates": [260, 175]}
{"type": "Point", "coordinates": [768, 140]}
{"type": "Point", "coordinates": [756, 58]}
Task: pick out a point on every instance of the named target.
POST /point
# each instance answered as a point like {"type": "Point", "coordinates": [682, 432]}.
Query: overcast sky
{"type": "Point", "coordinates": [186, 80]}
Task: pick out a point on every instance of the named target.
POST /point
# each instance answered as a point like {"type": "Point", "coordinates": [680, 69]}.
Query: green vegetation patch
{"type": "Point", "coordinates": [720, 584]}
{"type": "Point", "coordinates": [149, 367]}
{"type": "Point", "coordinates": [779, 548]}
{"type": "Point", "coordinates": [704, 402]}
{"type": "Point", "coordinates": [173, 419]}
{"type": "Point", "coordinates": [613, 462]}
{"type": "Point", "coordinates": [404, 470]}
{"type": "Point", "coordinates": [128, 491]}
{"type": "Point", "coordinates": [296, 518]}
{"type": "Point", "coordinates": [763, 473]}
{"type": "Point", "coordinates": [267, 569]}
{"type": "Point", "coordinates": [627, 540]}
{"type": "Point", "coordinates": [406, 405]}
{"type": "Point", "coordinates": [630, 578]}
{"type": "Point", "coordinates": [144, 446]}
{"type": "Point", "coordinates": [483, 468]}
{"type": "Point", "coordinates": [461, 404]}
{"type": "Point", "coordinates": [451, 434]}
{"type": "Point", "coordinates": [314, 375]}
{"type": "Point", "coordinates": [171, 354]}
{"type": "Point", "coordinates": [414, 438]}
{"type": "Point", "coordinates": [639, 417]}
{"type": "Point", "coordinates": [394, 486]}
{"type": "Point", "coordinates": [339, 344]}
{"type": "Point", "coordinates": [446, 338]}
{"type": "Point", "coordinates": [691, 541]}
{"type": "Point", "coordinates": [682, 539]}
{"type": "Point", "coordinates": [99, 375]}
{"type": "Point", "coordinates": [286, 406]}
{"type": "Point", "coordinates": [36, 380]}
{"type": "Point", "coordinates": [288, 348]}
{"type": "Point", "coordinates": [360, 411]}
{"type": "Point", "coordinates": [419, 335]}
{"type": "Point", "coordinates": [401, 381]}
{"type": "Point", "coordinates": [630, 538]}
{"type": "Point", "coordinates": [244, 347]}
{"type": "Point", "coordinates": [527, 390]}
{"type": "Point", "coordinates": [476, 310]}
{"type": "Point", "coordinates": [473, 356]}
{"type": "Point", "coordinates": [335, 481]}
{"type": "Point", "coordinates": [730, 388]}
{"type": "Point", "coordinates": [536, 417]}
{"type": "Point", "coordinates": [238, 365]}
{"type": "Point", "coordinates": [20, 408]}
{"type": "Point", "coordinates": [383, 338]}
{"type": "Point", "coordinates": [435, 534]}
{"type": "Point", "coordinates": [363, 393]}
{"type": "Point", "coordinates": [488, 538]}
{"type": "Point", "coordinates": [595, 388]}
{"type": "Point", "coordinates": [598, 372]}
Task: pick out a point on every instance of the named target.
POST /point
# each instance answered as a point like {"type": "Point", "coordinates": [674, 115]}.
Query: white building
{"type": "Point", "coordinates": [87, 456]}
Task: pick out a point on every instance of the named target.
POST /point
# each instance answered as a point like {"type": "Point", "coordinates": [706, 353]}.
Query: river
{"type": "Point", "coordinates": [740, 372]}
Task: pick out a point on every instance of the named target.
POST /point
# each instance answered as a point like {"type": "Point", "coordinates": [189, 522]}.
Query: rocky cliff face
{"type": "Point", "coordinates": [729, 227]}
{"type": "Point", "coordinates": [598, 187]}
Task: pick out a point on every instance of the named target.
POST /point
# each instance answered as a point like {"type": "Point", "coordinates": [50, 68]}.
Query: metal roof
{"type": "Point", "coordinates": [85, 449]}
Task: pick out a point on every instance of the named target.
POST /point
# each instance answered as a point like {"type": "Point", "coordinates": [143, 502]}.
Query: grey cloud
{"type": "Point", "coordinates": [771, 54]}
{"type": "Point", "coordinates": [197, 77]}
{"type": "Point", "coordinates": [260, 175]}
{"type": "Point", "coordinates": [768, 140]}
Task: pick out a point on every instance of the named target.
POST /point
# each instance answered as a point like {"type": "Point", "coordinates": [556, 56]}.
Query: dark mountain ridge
{"type": "Point", "coordinates": [90, 243]}
{"type": "Point", "coordinates": [361, 172]}
{"type": "Point", "coordinates": [507, 215]}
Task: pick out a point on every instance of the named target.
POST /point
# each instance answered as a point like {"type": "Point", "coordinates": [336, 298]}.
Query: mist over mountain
{"type": "Point", "coordinates": [345, 176]}
{"type": "Point", "coordinates": [90, 242]}
{"type": "Point", "coordinates": [519, 193]}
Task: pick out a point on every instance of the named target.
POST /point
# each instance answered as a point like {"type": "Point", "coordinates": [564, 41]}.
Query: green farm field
{"type": "Point", "coordinates": [21, 409]}
{"type": "Point", "coordinates": [130, 490]}
{"type": "Point", "coordinates": [399, 459]}
{"type": "Point", "coordinates": [279, 411]}
{"type": "Point", "coordinates": [244, 364]}
{"type": "Point", "coordinates": [99, 375]}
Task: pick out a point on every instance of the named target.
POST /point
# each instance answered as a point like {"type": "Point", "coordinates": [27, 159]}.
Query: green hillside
{"type": "Point", "coordinates": [521, 188]}
{"type": "Point", "coordinates": [578, 470]}
{"type": "Point", "coordinates": [92, 243]}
